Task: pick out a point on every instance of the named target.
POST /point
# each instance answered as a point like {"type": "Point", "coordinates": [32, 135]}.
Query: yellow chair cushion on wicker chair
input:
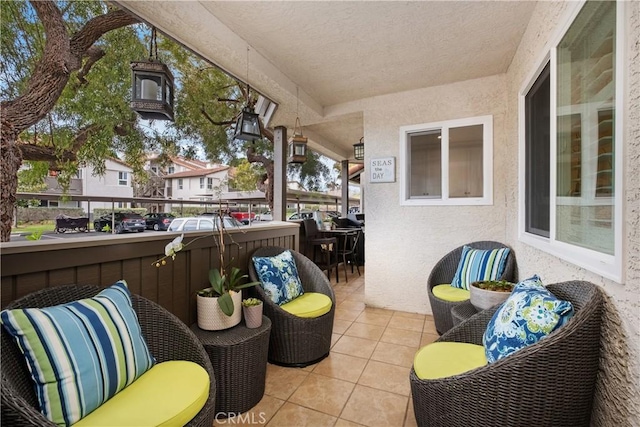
{"type": "Point", "coordinates": [309, 305]}
{"type": "Point", "coordinates": [169, 394]}
{"type": "Point", "coordinates": [451, 294]}
{"type": "Point", "coordinates": [446, 359]}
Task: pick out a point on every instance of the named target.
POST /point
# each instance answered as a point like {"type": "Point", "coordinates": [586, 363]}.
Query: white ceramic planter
{"type": "Point", "coordinates": [253, 316]}
{"type": "Point", "coordinates": [211, 317]}
{"type": "Point", "coordinates": [483, 299]}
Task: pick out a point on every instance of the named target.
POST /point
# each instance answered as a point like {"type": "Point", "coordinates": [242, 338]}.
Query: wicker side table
{"type": "Point", "coordinates": [239, 359]}
{"type": "Point", "coordinates": [462, 312]}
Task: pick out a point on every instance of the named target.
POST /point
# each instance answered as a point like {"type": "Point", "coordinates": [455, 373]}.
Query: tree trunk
{"type": "Point", "coordinates": [62, 55]}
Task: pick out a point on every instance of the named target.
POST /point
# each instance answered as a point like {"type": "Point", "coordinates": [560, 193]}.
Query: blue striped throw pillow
{"type": "Point", "coordinates": [82, 353]}
{"type": "Point", "coordinates": [479, 264]}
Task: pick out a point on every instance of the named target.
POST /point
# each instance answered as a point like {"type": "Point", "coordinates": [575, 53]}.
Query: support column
{"type": "Point", "coordinates": [344, 177]}
{"type": "Point", "coordinates": [279, 173]}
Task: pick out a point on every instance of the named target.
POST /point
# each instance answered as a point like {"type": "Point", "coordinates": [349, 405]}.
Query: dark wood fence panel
{"type": "Point", "coordinates": [30, 266]}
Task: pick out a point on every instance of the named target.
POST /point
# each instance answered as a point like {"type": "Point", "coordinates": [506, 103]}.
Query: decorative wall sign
{"type": "Point", "coordinates": [383, 169]}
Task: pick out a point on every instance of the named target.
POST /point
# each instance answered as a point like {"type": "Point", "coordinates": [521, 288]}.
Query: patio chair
{"type": "Point", "coordinates": [166, 336]}
{"type": "Point", "coordinates": [549, 383]}
{"type": "Point", "coordinates": [347, 245]}
{"type": "Point", "coordinates": [320, 249]}
{"type": "Point", "coordinates": [443, 273]}
{"type": "Point", "coordinates": [296, 341]}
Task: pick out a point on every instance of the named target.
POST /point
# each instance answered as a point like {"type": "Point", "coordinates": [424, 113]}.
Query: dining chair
{"type": "Point", "coordinates": [347, 245]}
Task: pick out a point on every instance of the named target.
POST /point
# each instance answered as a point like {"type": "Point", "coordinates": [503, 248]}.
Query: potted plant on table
{"type": "Point", "coordinates": [252, 309]}
{"type": "Point", "coordinates": [488, 293]}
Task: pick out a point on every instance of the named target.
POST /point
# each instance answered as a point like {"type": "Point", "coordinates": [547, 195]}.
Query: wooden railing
{"type": "Point", "coordinates": [103, 259]}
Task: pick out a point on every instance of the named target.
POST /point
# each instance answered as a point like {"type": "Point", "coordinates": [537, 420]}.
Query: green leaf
{"type": "Point", "coordinates": [216, 281]}
{"type": "Point", "coordinates": [226, 303]}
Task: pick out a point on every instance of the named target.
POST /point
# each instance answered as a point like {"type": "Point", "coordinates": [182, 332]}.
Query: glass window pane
{"type": "Point", "coordinates": [465, 161]}
{"type": "Point", "coordinates": [425, 176]}
{"type": "Point", "coordinates": [538, 155]}
{"type": "Point", "coordinates": [586, 98]}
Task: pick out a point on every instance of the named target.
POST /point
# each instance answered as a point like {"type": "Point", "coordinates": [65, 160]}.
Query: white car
{"type": "Point", "coordinates": [267, 216]}
{"type": "Point", "coordinates": [203, 223]}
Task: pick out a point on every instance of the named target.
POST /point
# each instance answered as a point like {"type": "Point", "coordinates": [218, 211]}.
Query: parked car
{"type": "Point", "coordinates": [243, 217]}
{"type": "Point", "coordinates": [123, 221]}
{"type": "Point", "coordinates": [266, 216]}
{"type": "Point", "coordinates": [205, 222]}
{"type": "Point", "coordinates": [301, 215]}
{"type": "Point", "coordinates": [158, 221]}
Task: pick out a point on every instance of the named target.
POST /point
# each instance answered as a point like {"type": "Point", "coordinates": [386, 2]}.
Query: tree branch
{"type": "Point", "coordinates": [93, 55]}
{"type": "Point", "coordinates": [228, 100]}
{"type": "Point", "coordinates": [210, 119]}
{"type": "Point", "coordinates": [50, 154]}
{"type": "Point", "coordinates": [96, 27]}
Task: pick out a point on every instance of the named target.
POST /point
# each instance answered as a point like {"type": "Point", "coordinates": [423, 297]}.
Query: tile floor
{"type": "Point", "coordinates": [365, 379]}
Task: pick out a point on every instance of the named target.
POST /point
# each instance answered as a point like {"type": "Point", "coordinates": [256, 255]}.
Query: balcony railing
{"type": "Point", "coordinates": [29, 266]}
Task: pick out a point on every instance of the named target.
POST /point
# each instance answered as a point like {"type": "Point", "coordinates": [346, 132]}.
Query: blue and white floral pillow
{"type": "Point", "coordinates": [279, 277]}
{"type": "Point", "coordinates": [529, 314]}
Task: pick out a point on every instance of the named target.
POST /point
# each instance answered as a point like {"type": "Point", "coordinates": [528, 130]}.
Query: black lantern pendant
{"type": "Point", "coordinates": [358, 150]}
{"type": "Point", "coordinates": [297, 145]}
{"type": "Point", "coordinates": [247, 125]}
{"type": "Point", "coordinates": [152, 86]}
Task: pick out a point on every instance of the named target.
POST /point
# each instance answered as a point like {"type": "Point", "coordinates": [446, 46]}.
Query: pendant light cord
{"type": "Point", "coordinates": [153, 45]}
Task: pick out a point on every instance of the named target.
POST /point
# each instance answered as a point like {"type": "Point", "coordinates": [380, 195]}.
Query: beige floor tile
{"type": "Point", "coordinates": [430, 327]}
{"type": "Point", "coordinates": [402, 337]}
{"type": "Point", "coordinates": [407, 323]}
{"type": "Point", "coordinates": [428, 339]}
{"type": "Point", "coordinates": [394, 354]}
{"type": "Point", "coordinates": [291, 415]}
{"type": "Point", "coordinates": [410, 418]}
{"type": "Point", "coordinates": [351, 305]}
{"type": "Point", "coordinates": [363, 330]}
{"type": "Point", "coordinates": [342, 366]}
{"type": "Point", "coordinates": [345, 423]}
{"type": "Point", "coordinates": [344, 314]}
{"type": "Point", "coordinates": [339, 326]}
{"type": "Point", "coordinates": [334, 339]}
{"type": "Point", "coordinates": [407, 315]}
{"type": "Point", "coordinates": [354, 346]}
{"type": "Point", "coordinates": [384, 376]}
{"type": "Point", "coordinates": [373, 318]}
{"type": "Point", "coordinates": [372, 407]}
{"type": "Point", "coordinates": [258, 415]}
{"type": "Point", "coordinates": [375, 310]}
{"type": "Point", "coordinates": [324, 394]}
{"type": "Point", "coordinates": [282, 382]}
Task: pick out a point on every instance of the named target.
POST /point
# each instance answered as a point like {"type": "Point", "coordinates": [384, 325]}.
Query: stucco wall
{"type": "Point", "coordinates": [403, 243]}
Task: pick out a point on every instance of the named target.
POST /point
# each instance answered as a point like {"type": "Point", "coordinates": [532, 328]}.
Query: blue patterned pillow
{"type": "Point", "coordinates": [479, 264]}
{"type": "Point", "coordinates": [529, 314]}
{"type": "Point", "coordinates": [279, 277]}
{"type": "Point", "coordinates": [82, 353]}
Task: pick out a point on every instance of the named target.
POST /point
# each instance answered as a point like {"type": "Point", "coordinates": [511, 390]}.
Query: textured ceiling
{"type": "Point", "coordinates": [335, 52]}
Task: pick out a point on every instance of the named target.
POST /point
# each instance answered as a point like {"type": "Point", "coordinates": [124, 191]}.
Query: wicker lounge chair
{"type": "Point", "coordinates": [297, 341]}
{"type": "Point", "coordinates": [167, 337]}
{"type": "Point", "coordinates": [444, 271]}
{"type": "Point", "coordinates": [549, 383]}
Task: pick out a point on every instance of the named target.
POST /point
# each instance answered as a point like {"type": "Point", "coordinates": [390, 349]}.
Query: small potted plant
{"type": "Point", "coordinates": [487, 293]}
{"type": "Point", "coordinates": [252, 309]}
{"type": "Point", "coordinates": [219, 305]}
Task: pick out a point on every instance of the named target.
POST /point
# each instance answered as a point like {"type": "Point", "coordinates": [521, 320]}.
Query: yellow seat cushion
{"type": "Point", "coordinates": [309, 304]}
{"type": "Point", "coordinates": [451, 294]}
{"type": "Point", "coordinates": [446, 359]}
{"type": "Point", "coordinates": [169, 394]}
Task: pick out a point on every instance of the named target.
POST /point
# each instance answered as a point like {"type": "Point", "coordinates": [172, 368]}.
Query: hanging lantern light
{"type": "Point", "coordinates": [297, 145]}
{"type": "Point", "coordinates": [358, 150]}
{"type": "Point", "coordinates": [152, 86]}
{"type": "Point", "coordinates": [248, 121]}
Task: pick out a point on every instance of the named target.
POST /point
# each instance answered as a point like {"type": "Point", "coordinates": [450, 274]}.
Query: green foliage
{"type": "Point", "coordinates": [221, 286]}
{"type": "Point", "coordinates": [251, 302]}
{"type": "Point", "coordinates": [36, 235]}
{"type": "Point", "coordinates": [246, 176]}
{"type": "Point", "coordinates": [312, 174]}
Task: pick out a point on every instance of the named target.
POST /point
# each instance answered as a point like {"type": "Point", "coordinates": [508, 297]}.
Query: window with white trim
{"type": "Point", "coordinates": [570, 137]}
{"type": "Point", "coordinates": [209, 183]}
{"type": "Point", "coordinates": [202, 182]}
{"type": "Point", "coordinates": [123, 178]}
{"type": "Point", "coordinates": [180, 185]}
{"type": "Point", "coordinates": [447, 163]}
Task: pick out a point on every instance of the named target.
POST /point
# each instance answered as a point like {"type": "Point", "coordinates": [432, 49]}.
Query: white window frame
{"type": "Point", "coordinates": [609, 266]}
{"type": "Point", "coordinates": [202, 182]}
{"type": "Point", "coordinates": [444, 126]}
{"type": "Point", "coordinates": [123, 178]}
{"type": "Point", "coordinates": [209, 183]}
{"type": "Point", "coordinates": [180, 184]}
